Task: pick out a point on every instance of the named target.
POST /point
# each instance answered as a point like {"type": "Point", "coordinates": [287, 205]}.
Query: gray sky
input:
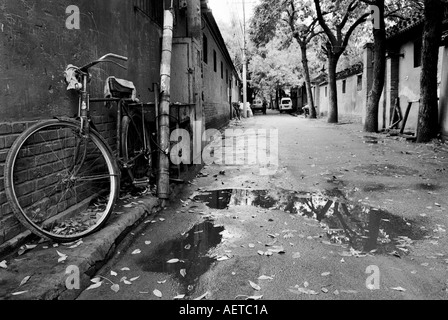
{"type": "Point", "coordinates": [223, 10]}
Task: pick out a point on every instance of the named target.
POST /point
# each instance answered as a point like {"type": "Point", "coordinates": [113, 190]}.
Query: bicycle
{"type": "Point", "coordinates": [62, 179]}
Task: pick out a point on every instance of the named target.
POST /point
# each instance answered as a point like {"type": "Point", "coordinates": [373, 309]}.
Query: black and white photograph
{"type": "Point", "coordinates": [223, 158]}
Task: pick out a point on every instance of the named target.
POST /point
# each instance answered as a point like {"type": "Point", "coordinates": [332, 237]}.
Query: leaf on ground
{"type": "Point", "coordinates": [115, 288]}
{"type": "Point", "coordinates": [125, 281]}
{"type": "Point", "coordinates": [25, 280]}
{"type": "Point", "coordinates": [265, 278]}
{"type": "Point", "coordinates": [161, 282]}
{"type": "Point", "coordinates": [306, 284]}
{"type": "Point", "coordinates": [255, 298]}
{"type": "Point", "coordinates": [261, 253]}
{"type": "Point", "coordinates": [158, 294]}
{"type": "Point", "coordinates": [137, 251]}
{"type": "Point", "coordinates": [296, 255]}
{"type": "Point", "coordinates": [223, 258]}
{"type": "Point", "coordinates": [251, 245]}
{"type": "Point", "coordinates": [135, 279]}
{"type": "Point", "coordinates": [255, 286]}
{"type": "Point", "coordinates": [62, 257]}
{"type": "Point", "coordinates": [179, 297]}
{"type": "Point", "coordinates": [19, 293]}
{"type": "Point", "coordinates": [76, 245]}
{"type": "Point", "coordinates": [95, 286]}
{"type": "Point", "coordinates": [172, 261]}
{"type": "Point", "coordinates": [161, 220]}
{"type": "Point", "coordinates": [3, 265]}
{"type": "Point", "coordinates": [399, 289]}
{"type": "Point", "coordinates": [113, 274]}
{"type": "Point", "coordinates": [202, 297]}
{"type": "Point", "coordinates": [183, 273]}
{"type": "Point", "coordinates": [148, 243]}
{"type": "Point", "coordinates": [324, 290]}
{"type": "Point", "coordinates": [188, 247]}
{"type": "Point", "coordinates": [126, 269]}
{"type": "Point", "coordinates": [96, 280]}
{"type": "Point", "coordinates": [326, 274]}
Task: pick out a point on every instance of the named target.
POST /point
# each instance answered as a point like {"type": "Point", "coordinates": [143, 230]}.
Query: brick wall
{"type": "Point", "coordinates": [35, 48]}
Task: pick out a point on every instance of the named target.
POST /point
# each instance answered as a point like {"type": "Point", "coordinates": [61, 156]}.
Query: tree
{"type": "Point", "coordinates": [298, 18]}
{"type": "Point", "coordinates": [304, 34]}
{"type": "Point", "coordinates": [337, 42]}
{"type": "Point", "coordinates": [428, 123]}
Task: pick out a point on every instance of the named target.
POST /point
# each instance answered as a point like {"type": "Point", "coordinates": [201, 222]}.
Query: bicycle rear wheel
{"type": "Point", "coordinates": [61, 184]}
{"type": "Point", "coordinates": [136, 148]}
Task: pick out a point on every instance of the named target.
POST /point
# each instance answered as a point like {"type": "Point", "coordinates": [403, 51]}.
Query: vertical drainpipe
{"type": "Point", "coordinates": [163, 183]}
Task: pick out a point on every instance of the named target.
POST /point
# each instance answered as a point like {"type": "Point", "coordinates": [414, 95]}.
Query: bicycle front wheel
{"type": "Point", "coordinates": [61, 184]}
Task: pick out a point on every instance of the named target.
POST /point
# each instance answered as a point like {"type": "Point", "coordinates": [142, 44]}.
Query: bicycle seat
{"type": "Point", "coordinates": [121, 89]}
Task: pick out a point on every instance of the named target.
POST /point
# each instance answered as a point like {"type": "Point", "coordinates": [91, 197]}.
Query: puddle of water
{"type": "Point", "coordinates": [362, 227]}
{"type": "Point", "coordinates": [191, 249]}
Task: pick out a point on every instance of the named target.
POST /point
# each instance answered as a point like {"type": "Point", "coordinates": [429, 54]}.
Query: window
{"type": "Point", "coordinates": [205, 49]}
{"type": "Point", "coordinates": [215, 62]}
{"type": "Point", "coordinates": [417, 53]}
{"type": "Point", "coordinates": [153, 9]}
{"type": "Point", "coordinates": [344, 86]}
{"type": "Point", "coordinates": [222, 70]}
{"type": "Point", "coordinates": [359, 82]}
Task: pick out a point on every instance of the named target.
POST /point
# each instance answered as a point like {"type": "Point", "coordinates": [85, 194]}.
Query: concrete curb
{"type": "Point", "coordinates": [48, 277]}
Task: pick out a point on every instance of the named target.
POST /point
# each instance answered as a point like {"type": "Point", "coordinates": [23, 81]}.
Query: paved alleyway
{"type": "Point", "coordinates": [382, 209]}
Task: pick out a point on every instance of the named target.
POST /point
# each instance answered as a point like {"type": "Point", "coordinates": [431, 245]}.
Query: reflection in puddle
{"type": "Point", "coordinates": [362, 227]}
{"type": "Point", "coordinates": [191, 249]}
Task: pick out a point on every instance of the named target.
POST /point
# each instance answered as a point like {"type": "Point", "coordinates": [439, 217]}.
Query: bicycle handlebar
{"type": "Point", "coordinates": [104, 59]}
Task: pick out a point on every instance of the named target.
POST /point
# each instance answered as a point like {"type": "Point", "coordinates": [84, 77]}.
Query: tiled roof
{"type": "Point", "coordinates": [405, 25]}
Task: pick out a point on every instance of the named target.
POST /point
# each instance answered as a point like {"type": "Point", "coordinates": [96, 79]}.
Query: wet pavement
{"type": "Point", "coordinates": [311, 230]}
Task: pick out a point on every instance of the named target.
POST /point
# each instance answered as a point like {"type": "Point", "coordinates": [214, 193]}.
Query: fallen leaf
{"type": "Point", "coordinates": [158, 294]}
{"type": "Point", "coordinates": [135, 279]}
{"type": "Point", "coordinates": [25, 280]}
{"type": "Point", "coordinates": [202, 297]}
{"type": "Point", "coordinates": [179, 297]}
{"type": "Point", "coordinates": [148, 243]}
{"type": "Point", "coordinates": [95, 286]}
{"type": "Point", "coordinates": [251, 245]}
{"type": "Point", "coordinates": [76, 245]}
{"type": "Point", "coordinates": [326, 274]}
{"type": "Point", "coordinates": [126, 269]}
{"type": "Point", "coordinates": [223, 258]}
{"type": "Point", "coordinates": [62, 257]}
{"type": "Point", "coordinates": [183, 273]}
{"type": "Point", "coordinates": [255, 298]}
{"type": "Point", "coordinates": [3, 265]}
{"type": "Point", "coordinates": [261, 253]}
{"type": "Point", "coordinates": [188, 247]}
{"type": "Point", "coordinates": [172, 261]}
{"type": "Point", "coordinates": [296, 255]}
{"type": "Point", "coordinates": [162, 220]}
{"type": "Point", "coordinates": [115, 288]}
{"type": "Point", "coordinates": [324, 290]}
{"type": "Point", "coordinates": [113, 274]}
{"type": "Point", "coordinates": [19, 293]}
{"type": "Point", "coordinates": [125, 281]}
{"type": "Point", "coordinates": [306, 284]}
{"type": "Point", "coordinates": [137, 251]}
{"type": "Point", "coordinates": [399, 289]}
{"type": "Point", "coordinates": [265, 278]}
{"type": "Point", "coordinates": [255, 286]}
{"type": "Point", "coordinates": [96, 280]}
{"type": "Point", "coordinates": [161, 282]}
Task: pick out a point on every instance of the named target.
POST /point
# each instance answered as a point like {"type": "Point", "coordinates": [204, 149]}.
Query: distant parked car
{"type": "Point", "coordinates": [285, 105]}
{"type": "Point", "coordinates": [258, 105]}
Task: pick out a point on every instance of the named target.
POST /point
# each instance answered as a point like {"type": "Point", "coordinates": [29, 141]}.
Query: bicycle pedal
{"type": "Point", "coordinates": [141, 183]}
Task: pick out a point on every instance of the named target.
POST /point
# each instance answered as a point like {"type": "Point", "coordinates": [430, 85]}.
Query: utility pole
{"type": "Point", "coordinates": [245, 111]}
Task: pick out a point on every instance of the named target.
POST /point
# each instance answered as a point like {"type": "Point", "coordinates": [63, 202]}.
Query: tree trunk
{"type": "Point", "coordinates": [379, 73]}
{"type": "Point", "coordinates": [428, 123]}
{"type": "Point", "coordinates": [333, 95]}
{"type": "Point", "coordinates": [313, 113]}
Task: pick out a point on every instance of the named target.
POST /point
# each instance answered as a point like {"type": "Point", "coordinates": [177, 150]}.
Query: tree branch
{"type": "Point", "coordinates": [322, 22]}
